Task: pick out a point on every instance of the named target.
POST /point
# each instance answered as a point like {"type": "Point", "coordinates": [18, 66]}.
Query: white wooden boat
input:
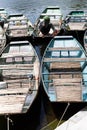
{"type": "Point", "coordinates": [76, 122]}
{"type": "Point", "coordinates": [64, 70]}
{"type": "Point", "coordinates": [19, 78]}
{"type": "Point", "coordinates": [76, 21]}
{"type": "Point", "coordinates": [19, 26]}
{"type": "Point", "coordinates": [55, 14]}
{"type": "Point", "coordinates": [2, 39]}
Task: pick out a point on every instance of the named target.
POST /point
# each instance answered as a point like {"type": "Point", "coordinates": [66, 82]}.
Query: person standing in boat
{"type": "Point", "coordinates": [45, 27]}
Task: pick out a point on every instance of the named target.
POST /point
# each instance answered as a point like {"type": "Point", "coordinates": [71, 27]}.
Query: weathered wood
{"type": "Point", "coordinates": [64, 48]}
{"type": "Point", "coordinates": [57, 65]}
{"type": "Point", "coordinates": [68, 89]}
{"type": "Point", "coordinates": [50, 14]}
{"type": "Point", "coordinates": [69, 93]}
{"type": "Point", "coordinates": [76, 25]}
{"type": "Point", "coordinates": [13, 91]}
{"type": "Point", "coordinates": [17, 66]}
{"type": "Point", "coordinates": [64, 59]}
{"type": "Point", "coordinates": [65, 81]}
{"type": "Point", "coordinates": [19, 54]}
{"type": "Point", "coordinates": [18, 27]}
{"type": "Point", "coordinates": [11, 103]}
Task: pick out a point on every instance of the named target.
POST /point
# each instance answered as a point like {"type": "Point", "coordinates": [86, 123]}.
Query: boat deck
{"type": "Point", "coordinates": [15, 86]}
{"type": "Point", "coordinates": [67, 79]}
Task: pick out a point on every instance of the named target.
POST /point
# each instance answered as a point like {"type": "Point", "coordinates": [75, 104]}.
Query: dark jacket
{"type": "Point", "coordinates": [45, 29]}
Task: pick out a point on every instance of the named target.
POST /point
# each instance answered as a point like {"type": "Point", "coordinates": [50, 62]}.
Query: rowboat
{"type": "Point", "coordinates": [85, 40]}
{"type": "Point", "coordinates": [19, 26]}
{"type": "Point", "coordinates": [63, 70]}
{"type": "Point", "coordinates": [19, 78]}
{"type": "Point", "coordinates": [2, 39]}
{"type": "Point", "coordinates": [55, 15]}
{"type": "Point", "coordinates": [76, 21]}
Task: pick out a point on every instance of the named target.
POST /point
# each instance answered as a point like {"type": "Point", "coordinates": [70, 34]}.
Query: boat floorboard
{"type": "Point", "coordinates": [67, 85]}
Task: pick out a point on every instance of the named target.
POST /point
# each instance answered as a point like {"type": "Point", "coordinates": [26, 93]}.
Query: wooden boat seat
{"type": "Point", "coordinates": [17, 66]}
{"type": "Point", "coordinates": [16, 71]}
{"type": "Point", "coordinates": [11, 103]}
{"type": "Point", "coordinates": [65, 75]}
{"type": "Point", "coordinates": [71, 81]}
{"type": "Point", "coordinates": [76, 25]}
{"type": "Point", "coordinates": [16, 74]}
{"type": "Point", "coordinates": [64, 59]}
{"type": "Point", "coordinates": [19, 33]}
{"type": "Point", "coordinates": [50, 14]}
{"type": "Point", "coordinates": [65, 70]}
{"type": "Point", "coordinates": [20, 54]}
{"type": "Point", "coordinates": [65, 66]}
{"type": "Point", "coordinates": [17, 18]}
{"type": "Point", "coordinates": [64, 48]}
{"type": "Point", "coordinates": [18, 27]}
{"type": "Point", "coordinates": [14, 91]}
{"type": "Point", "coordinates": [68, 89]}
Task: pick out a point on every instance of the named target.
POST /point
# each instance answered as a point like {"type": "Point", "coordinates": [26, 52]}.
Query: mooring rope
{"type": "Point", "coordinates": [63, 113]}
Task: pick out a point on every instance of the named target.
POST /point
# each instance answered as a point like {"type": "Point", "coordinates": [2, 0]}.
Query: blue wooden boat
{"type": "Point", "coordinates": [19, 78]}
{"type": "Point", "coordinates": [64, 70]}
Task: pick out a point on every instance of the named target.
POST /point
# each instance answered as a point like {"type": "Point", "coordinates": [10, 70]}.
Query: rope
{"type": "Point", "coordinates": [63, 114]}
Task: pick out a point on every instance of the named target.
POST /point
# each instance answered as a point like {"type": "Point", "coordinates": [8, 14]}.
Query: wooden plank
{"type": "Point", "coordinates": [64, 59]}
{"type": "Point", "coordinates": [13, 91]}
{"type": "Point", "coordinates": [17, 73]}
{"type": "Point", "coordinates": [12, 99]}
{"type": "Point", "coordinates": [64, 48]}
{"type": "Point", "coordinates": [17, 66]}
{"type": "Point", "coordinates": [50, 14]}
{"type": "Point", "coordinates": [71, 80]}
{"type": "Point", "coordinates": [69, 93]}
{"type": "Point", "coordinates": [20, 54]}
{"type": "Point", "coordinates": [64, 75]}
{"type": "Point", "coordinates": [57, 65]}
{"type": "Point", "coordinates": [16, 27]}
{"type": "Point", "coordinates": [11, 109]}
{"type": "Point", "coordinates": [15, 18]}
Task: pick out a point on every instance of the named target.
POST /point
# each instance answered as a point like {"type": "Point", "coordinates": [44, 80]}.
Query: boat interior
{"type": "Point", "coordinates": [17, 78]}
{"type": "Point", "coordinates": [64, 71]}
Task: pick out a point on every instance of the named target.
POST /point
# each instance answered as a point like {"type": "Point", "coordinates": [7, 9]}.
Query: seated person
{"type": "Point", "coordinates": [45, 27]}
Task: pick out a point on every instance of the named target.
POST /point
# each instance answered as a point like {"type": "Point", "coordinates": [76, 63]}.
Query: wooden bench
{"type": "Point", "coordinates": [20, 54]}
{"type": "Point", "coordinates": [14, 91]}
{"type": "Point", "coordinates": [16, 66]}
{"type": "Point", "coordinates": [64, 59]}
{"type": "Point", "coordinates": [65, 65]}
{"type": "Point", "coordinates": [64, 49]}
{"type": "Point", "coordinates": [67, 82]}
{"type": "Point", "coordinates": [11, 103]}
{"type": "Point", "coordinates": [68, 89]}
